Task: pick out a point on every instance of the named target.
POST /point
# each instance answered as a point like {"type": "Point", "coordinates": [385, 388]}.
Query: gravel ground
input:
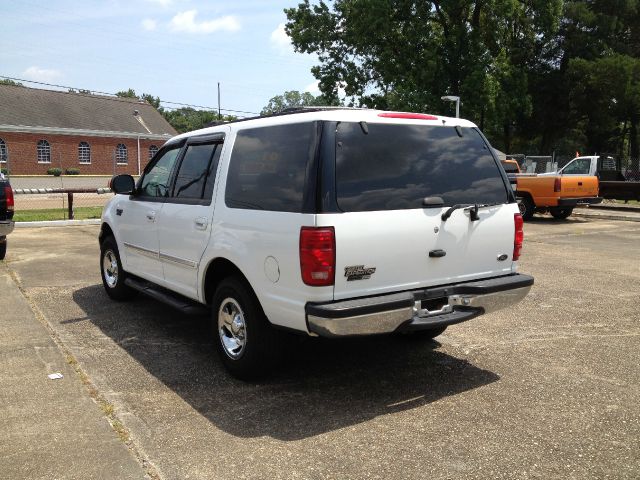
{"type": "Point", "coordinates": [547, 389]}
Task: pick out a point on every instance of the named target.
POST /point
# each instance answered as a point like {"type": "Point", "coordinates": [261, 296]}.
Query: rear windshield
{"type": "Point", "coordinates": [394, 167]}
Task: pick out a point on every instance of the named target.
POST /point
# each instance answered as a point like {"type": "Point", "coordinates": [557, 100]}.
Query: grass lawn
{"type": "Point", "coordinates": [80, 213]}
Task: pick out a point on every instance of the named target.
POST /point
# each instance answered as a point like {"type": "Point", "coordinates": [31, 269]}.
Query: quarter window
{"type": "Point", "coordinates": [153, 149]}
{"type": "Point", "coordinates": [268, 167]}
{"type": "Point", "coordinates": [44, 152]}
{"type": "Point", "coordinates": [155, 182]}
{"type": "Point", "coordinates": [3, 151]}
{"type": "Point", "coordinates": [84, 152]}
{"type": "Point", "coordinates": [122, 155]}
{"type": "Point", "coordinates": [197, 172]}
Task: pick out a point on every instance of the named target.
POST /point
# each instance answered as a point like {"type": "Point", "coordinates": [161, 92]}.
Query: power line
{"type": "Point", "coordinates": [78, 91]}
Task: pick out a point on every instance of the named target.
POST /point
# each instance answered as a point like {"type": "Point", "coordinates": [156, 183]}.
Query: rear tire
{"type": "Point", "coordinates": [561, 213]}
{"type": "Point", "coordinates": [3, 247]}
{"type": "Point", "coordinates": [527, 208]}
{"type": "Point", "coordinates": [247, 344]}
{"type": "Point", "coordinates": [112, 273]}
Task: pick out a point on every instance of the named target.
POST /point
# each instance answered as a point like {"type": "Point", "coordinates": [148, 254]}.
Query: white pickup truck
{"type": "Point", "coordinates": [612, 183]}
{"type": "Point", "coordinates": [326, 222]}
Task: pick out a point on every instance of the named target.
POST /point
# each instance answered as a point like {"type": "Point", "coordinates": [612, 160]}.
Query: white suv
{"type": "Point", "coordinates": [330, 222]}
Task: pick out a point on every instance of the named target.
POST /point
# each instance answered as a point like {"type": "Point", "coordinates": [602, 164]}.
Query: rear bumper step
{"type": "Point", "coordinates": [572, 202]}
{"type": "Point", "coordinates": [410, 311]}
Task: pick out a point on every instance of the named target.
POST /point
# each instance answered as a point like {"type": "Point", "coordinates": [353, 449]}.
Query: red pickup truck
{"type": "Point", "coordinates": [6, 214]}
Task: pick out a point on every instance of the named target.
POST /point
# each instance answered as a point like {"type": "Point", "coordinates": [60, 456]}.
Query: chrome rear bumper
{"type": "Point", "coordinates": [414, 310]}
{"type": "Point", "coordinates": [6, 227]}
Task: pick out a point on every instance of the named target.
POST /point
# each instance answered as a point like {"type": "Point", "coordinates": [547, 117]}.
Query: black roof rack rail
{"type": "Point", "coordinates": [286, 111]}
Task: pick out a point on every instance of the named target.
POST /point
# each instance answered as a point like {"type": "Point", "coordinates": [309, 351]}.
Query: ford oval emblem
{"type": "Point", "coordinates": [436, 229]}
{"type": "Point", "coordinates": [503, 257]}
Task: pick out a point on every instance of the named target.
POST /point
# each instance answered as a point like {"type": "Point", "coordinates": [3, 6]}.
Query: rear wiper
{"type": "Point", "coordinates": [473, 210]}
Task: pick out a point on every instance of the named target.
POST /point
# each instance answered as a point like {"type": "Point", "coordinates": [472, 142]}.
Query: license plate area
{"type": "Point", "coordinates": [432, 306]}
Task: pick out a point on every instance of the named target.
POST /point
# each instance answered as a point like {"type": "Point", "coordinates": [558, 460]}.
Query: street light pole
{"type": "Point", "coordinates": [453, 98]}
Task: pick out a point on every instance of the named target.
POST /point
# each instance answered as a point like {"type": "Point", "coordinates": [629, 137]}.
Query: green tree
{"type": "Point", "coordinates": [6, 81]}
{"type": "Point", "coordinates": [293, 99]}
{"type": "Point", "coordinates": [405, 55]}
{"type": "Point", "coordinates": [187, 119]}
{"type": "Point", "coordinates": [131, 93]}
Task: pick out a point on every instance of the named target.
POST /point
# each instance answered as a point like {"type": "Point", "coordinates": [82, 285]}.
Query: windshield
{"type": "Point", "coordinates": [394, 167]}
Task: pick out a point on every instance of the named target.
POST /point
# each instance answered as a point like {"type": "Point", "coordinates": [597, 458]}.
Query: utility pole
{"type": "Point", "coordinates": [219, 115]}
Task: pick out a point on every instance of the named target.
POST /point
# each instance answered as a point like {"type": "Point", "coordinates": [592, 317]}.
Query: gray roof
{"type": "Point", "coordinates": [32, 107]}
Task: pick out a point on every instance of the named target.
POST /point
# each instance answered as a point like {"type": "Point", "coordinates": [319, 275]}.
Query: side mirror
{"type": "Point", "coordinates": [123, 184]}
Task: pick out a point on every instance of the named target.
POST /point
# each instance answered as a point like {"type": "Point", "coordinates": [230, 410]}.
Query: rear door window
{"type": "Point", "coordinates": [394, 167]}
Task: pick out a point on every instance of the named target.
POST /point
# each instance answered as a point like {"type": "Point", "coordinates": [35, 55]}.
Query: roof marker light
{"type": "Point", "coordinates": [408, 116]}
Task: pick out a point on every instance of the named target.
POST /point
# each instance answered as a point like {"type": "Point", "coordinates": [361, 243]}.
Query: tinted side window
{"type": "Point", "coordinates": [268, 167]}
{"type": "Point", "coordinates": [196, 168]}
{"type": "Point", "coordinates": [395, 167]}
{"type": "Point", "coordinates": [155, 182]}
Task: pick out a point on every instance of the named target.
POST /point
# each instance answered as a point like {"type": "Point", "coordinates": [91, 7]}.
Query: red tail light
{"type": "Point", "coordinates": [557, 184]}
{"type": "Point", "coordinates": [318, 256]}
{"type": "Point", "coordinates": [410, 116]}
{"type": "Point", "coordinates": [8, 194]}
{"type": "Point", "coordinates": [519, 235]}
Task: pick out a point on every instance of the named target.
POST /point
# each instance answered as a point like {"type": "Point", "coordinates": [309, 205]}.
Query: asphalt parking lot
{"type": "Point", "coordinates": [548, 389]}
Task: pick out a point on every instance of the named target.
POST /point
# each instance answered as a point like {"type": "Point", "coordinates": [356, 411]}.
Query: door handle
{"type": "Point", "coordinates": [151, 216]}
{"type": "Point", "coordinates": [201, 223]}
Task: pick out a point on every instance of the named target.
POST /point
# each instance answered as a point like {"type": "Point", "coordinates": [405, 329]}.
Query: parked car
{"type": "Point", "coordinates": [512, 169]}
{"type": "Point", "coordinates": [324, 222]}
{"type": "Point", "coordinates": [6, 213]}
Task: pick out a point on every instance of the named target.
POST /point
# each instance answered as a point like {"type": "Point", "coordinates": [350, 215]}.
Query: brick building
{"type": "Point", "coordinates": [98, 135]}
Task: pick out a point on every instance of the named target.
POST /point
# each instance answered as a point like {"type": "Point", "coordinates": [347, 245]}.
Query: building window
{"type": "Point", "coordinates": [152, 151]}
{"type": "Point", "coordinates": [121, 153]}
{"type": "Point", "coordinates": [44, 152]}
{"type": "Point", "coordinates": [84, 152]}
{"type": "Point", "coordinates": [3, 151]}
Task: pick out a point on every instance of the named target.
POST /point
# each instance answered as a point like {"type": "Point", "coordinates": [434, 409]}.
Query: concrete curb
{"type": "Point", "coordinates": [607, 216]}
{"type": "Point", "coordinates": [58, 223]}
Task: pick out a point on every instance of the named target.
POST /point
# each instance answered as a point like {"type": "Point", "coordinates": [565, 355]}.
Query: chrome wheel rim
{"type": "Point", "coordinates": [522, 207]}
{"type": "Point", "coordinates": [232, 328]}
{"type": "Point", "coordinates": [110, 268]}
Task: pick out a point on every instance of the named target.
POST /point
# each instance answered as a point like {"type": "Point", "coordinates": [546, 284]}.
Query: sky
{"type": "Point", "coordinates": [175, 49]}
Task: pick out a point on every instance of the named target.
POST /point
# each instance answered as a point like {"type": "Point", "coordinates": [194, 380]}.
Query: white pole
{"type": "Point", "coordinates": [138, 155]}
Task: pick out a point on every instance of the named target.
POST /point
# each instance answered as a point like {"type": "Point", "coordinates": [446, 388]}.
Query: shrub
{"type": "Point", "coordinates": [4, 171]}
{"type": "Point", "coordinates": [72, 171]}
{"type": "Point", "coordinates": [56, 172]}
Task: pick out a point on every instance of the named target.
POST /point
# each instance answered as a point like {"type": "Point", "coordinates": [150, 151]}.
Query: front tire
{"type": "Point", "coordinates": [561, 213]}
{"type": "Point", "coordinates": [247, 344]}
{"type": "Point", "coordinates": [112, 273]}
